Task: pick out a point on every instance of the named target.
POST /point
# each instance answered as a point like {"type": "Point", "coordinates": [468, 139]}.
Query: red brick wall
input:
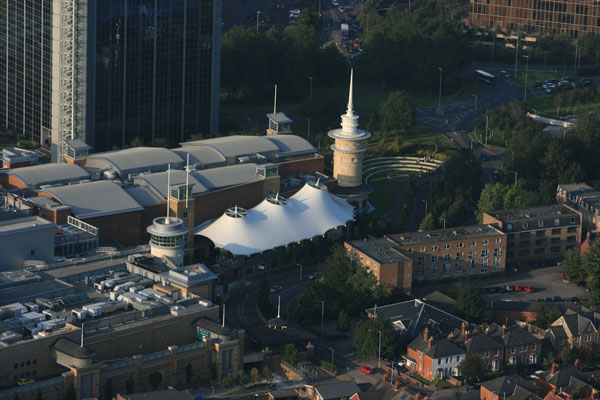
{"type": "Point", "coordinates": [305, 166]}
{"type": "Point", "coordinates": [14, 182]}
{"type": "Point", "coordinates": [125, 228]}
{"type": "Point", "coordinates": [214, 204]}
{"type": "Point", "coordinates": [486, 394]}
{"type": "Point", "coordinates": [424, 362]}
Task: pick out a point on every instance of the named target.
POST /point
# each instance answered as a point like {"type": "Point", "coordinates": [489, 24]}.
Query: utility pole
{"type": "Point", "coordinates": [516, 55]}
{"type": "Point", "coordinates": [493, 47]}
{"type": "Point", "coordinates": [310, 93]}
{"type": "Point", "coordinates": [545, 54]}
{"type": "Point", "coordinates": [526, 70]}
{"type": "Point", "coordinates": [308, 134]}
{"type": "Point", "coordinates": [322, 314]}
{"type": "Point", "coordinates": [440, 96]}
{"type": "Point", "coordinates": [487, 120]}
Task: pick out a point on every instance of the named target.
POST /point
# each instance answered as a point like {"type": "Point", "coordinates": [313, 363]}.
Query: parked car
{"type": "Point", "coordinates": [537, 84]}
{"type": "Point", "coordinates": [551, 81]}
{"type": "Point", "coordinates": [504, 74]}
{"type": "Point", "coordinates": [529, 289]}
{"type": "Point", "coordinates": [517, 288]}
{"type": "Point", "coordinates": [484, 157]}
{"type": "Point", "coordinates": [509, 288]}
{"type": "Point", "coordinates": [581, 283]}
{"type": "Point", "coordinates": [313, 276]}
{"type": "Point", "coordinates": [557, 299]}
{"type": "Point", "coordinates": [586, 82]}
{"type": "Point", "coordinates": [341, 9]}
{"type": "Point", "coordinates": [335, 3]}
{"type": "Point", "coordinates": [275, 289]}
{"type": "Point", "coordinates": [367, 370]}
{"type": "Point", "coordinates": [549, 299]}
{"type": "Point", "coordinates": [25, 381]}
{"type": "Point", "coordinates": [295, 11]}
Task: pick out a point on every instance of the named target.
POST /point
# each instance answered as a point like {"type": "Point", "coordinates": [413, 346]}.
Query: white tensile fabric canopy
{"type": "Point", "coordinates": [276, 221]}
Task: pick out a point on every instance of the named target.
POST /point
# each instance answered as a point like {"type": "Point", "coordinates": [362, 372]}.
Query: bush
{"type": "Point", "coordinates": [328, 366]}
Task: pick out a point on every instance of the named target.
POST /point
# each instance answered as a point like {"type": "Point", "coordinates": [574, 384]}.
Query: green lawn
{"type": "Point", "coordinates": [429, 383]}
{"type": "Point", "coordinates": [547, 106]}
{"type": "Point", "coordinates": [532, 76]}
{"type": "Point", "coordinates": [496, 135]}
{"type": "Point", "coordinates": [384, 191]}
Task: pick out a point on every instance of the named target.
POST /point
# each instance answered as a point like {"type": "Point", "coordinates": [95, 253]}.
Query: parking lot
{"type": "Point", "coordinates": [546, 281]}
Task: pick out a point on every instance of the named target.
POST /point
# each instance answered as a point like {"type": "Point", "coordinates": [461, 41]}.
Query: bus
{"type": "Point", "coordinates": [485, 76]}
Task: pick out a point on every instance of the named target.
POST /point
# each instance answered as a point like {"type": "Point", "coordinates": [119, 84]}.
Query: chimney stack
{"type": "Point", "coordinates": [504, 330]}
{"type": "Point", "coordinates": [467, 335]}
{"type": "Point", "coordinates": [577, 362]}
{"type": "Point", "coordinates": [554, 368]}
{"type": "Point", "coordinates": [430, 344]}
{"type": "Point", "coordinates": [589, 235]}
{"type": "Point", "coordinates": [426, 334]}
{"type": "Point", "coordinates": [463, 328]}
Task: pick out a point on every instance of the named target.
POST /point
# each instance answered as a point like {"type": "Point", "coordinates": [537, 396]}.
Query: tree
{"type": "Point", "coordinates": [155, 379]}
{"type": "Point", "coordinates": [242, 378]}
{"type": "Point", "coordinates": [366, 338]}
{"type": "Point", "coordinates": [189, 373]}
{"type": "Point", "coordinates": [290, 354]}
{"type": "Point", "coordinates": [229, 381]}
{"type": "Point", "coordinates": [546, 315]}
{"type": "Point", "coordinates": [469, 302]}
{"type": "Point", "coordinates": [397, 113]}
{"type": "Point", "coordinates": [267, 374]}
{"type": "Point", "coordinates": [428, 223]}
{"type": "Point", "coordinates": [471, 369]}
{"type": "Point", "coordinates": [136, 142]}
{"type": "Point", "coordinates": [590, 262]}
{"type": "Point", "coordinates": [343, 323]}
{"type": "Point", "coordinates": [254, 375]}
{"type": "Point", "coordinates": [572, 266]}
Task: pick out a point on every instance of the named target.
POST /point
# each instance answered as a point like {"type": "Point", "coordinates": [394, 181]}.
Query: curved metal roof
{"type": "Point", "coordinates": [204, 155]}
{"type": "Point", "coordinates": [290, 145]}
{"type": "Point", "coordinates": [235, 146]}
{"type": "Point", "coordinates": [231, 175]}
{"type": "Point", "coordinates": [139, 159]}
{"type": "Point", "coordinates": [47, 174]}
{"type": "Point", "coordinates": [94, 199]}
{"type": "Point", "coordinates": [158, 182]}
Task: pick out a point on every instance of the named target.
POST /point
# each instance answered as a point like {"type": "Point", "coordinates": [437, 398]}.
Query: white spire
{"type": "Point", "coordinates": [350, 120]}
{"type": "Point", "coordinates": [168, 219]}
{"type": "Point", "coordinates": [350, 111]}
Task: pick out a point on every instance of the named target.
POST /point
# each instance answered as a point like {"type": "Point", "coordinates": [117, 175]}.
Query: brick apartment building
{"type": "Point", "coordinates": [568, 17]}
{"type": "Point", "coordinates": [584, 199]}
{"type": "Point", "coordinates": [447, 253]}
{"type": "Point", "coordinates": [537, 233]}
{"type": "Point", "coordinates": [380, 256]}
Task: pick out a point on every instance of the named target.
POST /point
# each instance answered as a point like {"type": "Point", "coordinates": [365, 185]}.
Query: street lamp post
{"type": "Point", "coordinates": [526, 70]}
{"type": "Point", "coordinates": [213, 391]}
{"type": "Point", "coordinates": [444, 219]}
{"type": "Point", "coordinates": [425, 207]}
{"type": "Point", "coordinates": [379, 352]}
{"type": "Point", "coordinates": [257, 18]}
{"type": "Point", "coordinates": [332, 351]}
{"type": "Point", "coordinates": [310, 92]}
{"type": "Point", "coordinates": [516, 55]}
{"type": "Point", "coordinates": [440, 96]}
{"type": "Point", "coordinates": [515, 172]}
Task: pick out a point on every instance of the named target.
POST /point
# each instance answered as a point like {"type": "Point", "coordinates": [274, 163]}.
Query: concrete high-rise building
{"type": "Point", "coordinates": [109, 71]}
{"type": "Point", "coordinates": [348, 150]}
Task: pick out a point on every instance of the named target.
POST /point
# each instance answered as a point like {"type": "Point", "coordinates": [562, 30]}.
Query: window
{"type": "Point", "coordinates": [510, 236]}
{"type": "Point", "coordinates": [498, 240]}
{"type": "Point", "coordinates": [524, 244]}
{"type": "Point", "coordinates": [556, 222]}
{"type": "Point", "coordinates": [458, 272]}
{"type": "Point", "coordinates": [496, 353]}
{"type": "Point", "coordinates": [524, 235]}
{"type": "Point", "coordinates": [533, 346]}
{"type": "Point", "coordinates": [472, 254]}
{"type": "Point", "coordinates": [361, 258]}
{"type": "Point", "coordinates": [422, 250]}
{"type": "Point", "coordinates": [540, 242]}
{"type": "Point", "coordinates": [439, 361]}
{"type": "Point", "coordinates": [571, 238]}
{"type": "Point", "coordinates": [540, 224]}
{"type": "Point", "coordinates": [540, 233]}
{"type": "Point", "coordinates": [587, 338]}
{"type": "Point", "coordinates": [447, 360]}
{"type": "Point", "coordinates": [496, 261]}
{"type": "Point", "coordinates": [485, 253]}
{"type": "Point", "coordinates": [421, 260]}
{"type": "Point", "coordinates": [525, 225]}
{"type": "Point", "coordinates": [433, 258]}
{"type": "Point", "coordinates": [368, 262]}
{"type": "Point", "coordinates": [460, 245]}
{"type": "Point", "coordinates": [473, 244]}
{"type": "Point", "coordinates": [32, 252]}
{"type": "Point", "coordinates": [513, 350]}
{"type": "Point", "coordinates": [541, 250]}
{"type": "Point", "coordinates": [447, 246]}
{"type": "Point", "coordinates": [420, 354]}
{"type": "Point", "coordinates": [185, 213]}
{"type": "Point", "coordinates": [435, 247]}
{"type": "Point", "coordinates": [485, 242]}
{"type": "Point", "coordinates": [375, 267]}
{"type": "Point", "coordinates": [523, 348]}
{"type": "Point", "coordinates": [498, 252]}
{"type": "Point", "coordinates": [533, 359]}
{"type": "Point", "coordinates": [572, 229]}
{"type": "Point", "coordinates": [447, 257]}
{"type": "Point", "coordinates": [509, 227]}
{"type": "Point", "coordinates": [433, 276]}
{"type": "Point", "coordinates": [460, 256]}
{"type": "Point", "coordinates": [572, 220]}
{"type": "Point", "coordinates": [556, 231]}
{"type": "Point", "coordinates": [457, 358]}
{"type": "Point", "coordinates": [409, 250]}
{"type": "Point", "coordinates": [555, 249]}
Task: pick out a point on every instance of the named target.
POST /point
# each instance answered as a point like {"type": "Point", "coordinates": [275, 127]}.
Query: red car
{"type": "Point", "coordinates": [529, 289]}
{"type": "Point", "coordinates": [367, 370]}
{"type": "Point", "coordinates": [517, 288]}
